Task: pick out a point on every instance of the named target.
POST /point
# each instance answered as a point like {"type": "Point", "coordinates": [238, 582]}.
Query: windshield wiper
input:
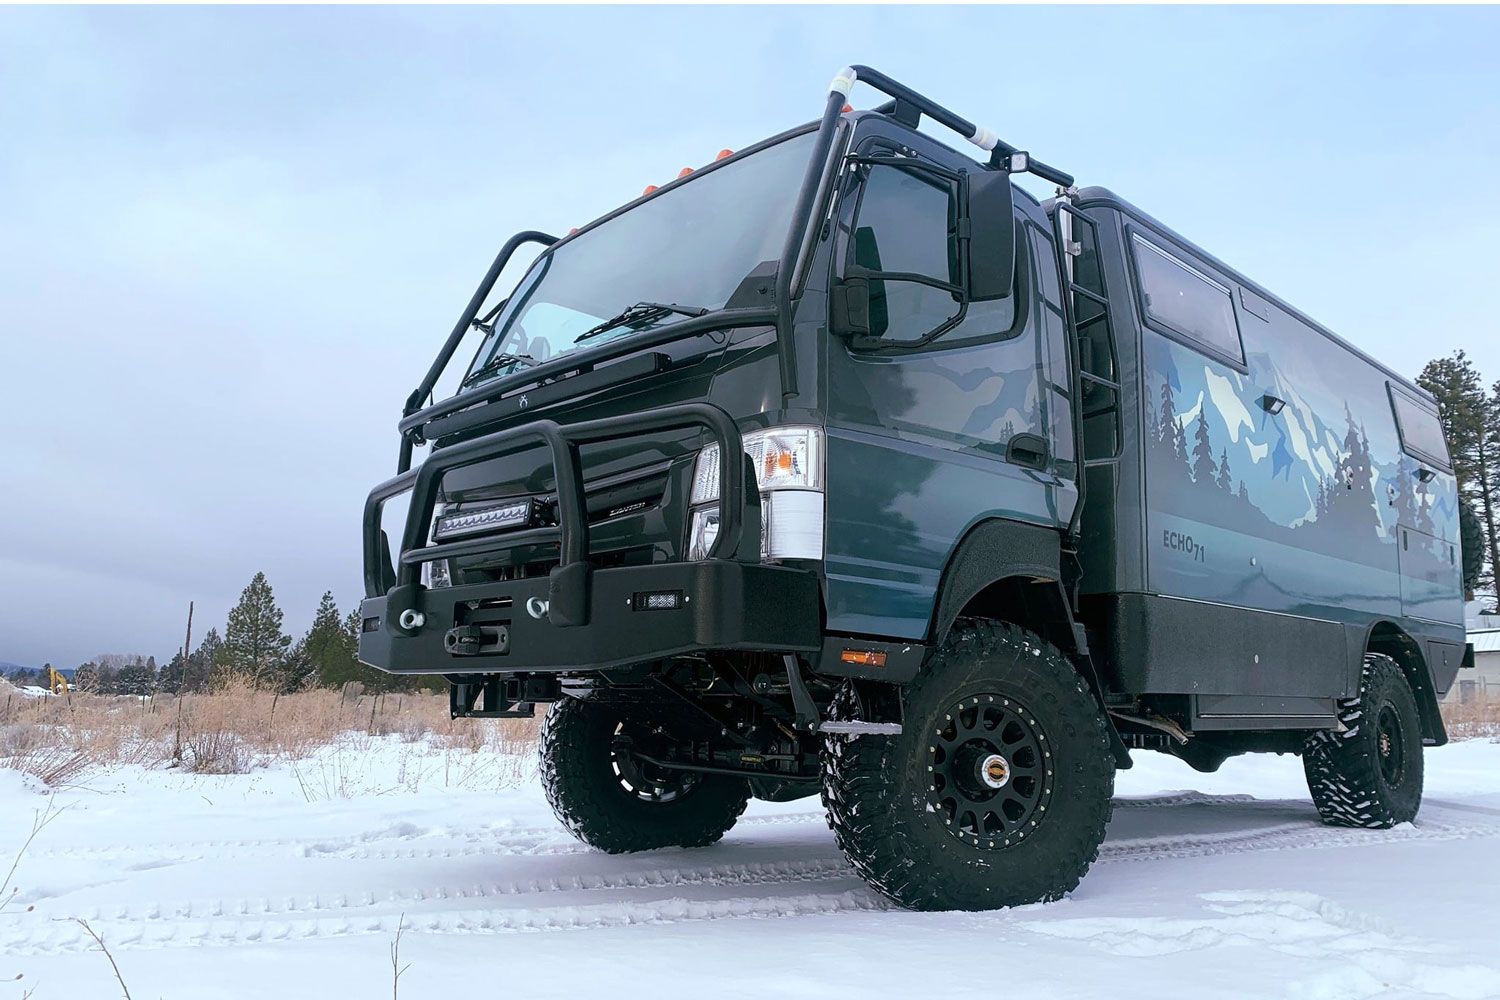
{"type": "Point", "coordinates": [641, 312]}
{"type": "Point", "coordinates": [496, 363]}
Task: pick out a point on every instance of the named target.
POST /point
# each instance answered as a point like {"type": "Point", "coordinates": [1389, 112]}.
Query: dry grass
{"type": "Point", "coordinates": [229, 731]}
{"type": "Point", "coordinates": [1478, 719]}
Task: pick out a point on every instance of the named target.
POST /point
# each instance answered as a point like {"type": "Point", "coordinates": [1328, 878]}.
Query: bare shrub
{"type": "Point", "coordinates": [235, 728]}
{"type": "Point", "coordinates": [34, 750]}
{"type": "Point", "coordinates": [1475, 719]}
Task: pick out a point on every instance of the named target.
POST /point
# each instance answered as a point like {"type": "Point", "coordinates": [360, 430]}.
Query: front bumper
{"type": "Point", "coordinates": [578, 617]}
{"type": "Point", "coordinates": [721, 604]}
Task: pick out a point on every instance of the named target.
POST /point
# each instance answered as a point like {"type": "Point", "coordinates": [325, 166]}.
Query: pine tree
{"type": "Point", "coordinates": [254, 644]}
{"type": "Point", "coordinates": [1223, 482]}
{"type": "Point", "coordinates": [136, 679]}
{"type": "Point", "coordinates": [1172, 434]}
{"type": "Point", "coordinates": [173, 675]}
{"type": "Point", "coordinates": [293, 672]}
{"type": "Point", "coordinates": [1406, 503]}
{"type": "Point", "coordinates": [1471, 425]}
{"type": "Point", "coordinates": [327, 645]}
{"type": "Point", "coordinates": [1203, 453]}
{"type": "Point", "coordinates": [1168, 419]}
{"type": "Point", "coordinates": [338, 663]}
{"type": "Point", "coordinates": [1243, 493]}
{"type": "Point", "coordinates": [200, 665]}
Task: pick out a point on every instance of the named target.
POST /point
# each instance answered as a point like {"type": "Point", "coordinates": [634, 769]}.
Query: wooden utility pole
{"type": "Point", "coordinates": [187, 644]}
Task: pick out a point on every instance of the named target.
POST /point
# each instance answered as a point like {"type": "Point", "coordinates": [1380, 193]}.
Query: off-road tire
{"type": "Point", "coordinates": [878, 790]}
{"type": "Point", "coordinates": [588, 797]}
{"type": "Point", "coordinates": [1352, 775]}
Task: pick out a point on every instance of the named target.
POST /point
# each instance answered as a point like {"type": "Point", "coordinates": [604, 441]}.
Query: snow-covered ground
{"type": "Point", "coordinates": [291, 882]}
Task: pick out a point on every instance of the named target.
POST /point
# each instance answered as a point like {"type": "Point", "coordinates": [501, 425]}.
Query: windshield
{"type": "Point", "coordinates": [689, 247]}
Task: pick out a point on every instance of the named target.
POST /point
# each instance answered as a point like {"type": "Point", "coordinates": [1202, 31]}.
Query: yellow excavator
{"type": "Point", "coordinates": [56, 681]}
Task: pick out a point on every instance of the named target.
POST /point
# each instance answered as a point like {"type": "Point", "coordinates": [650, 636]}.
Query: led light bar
{"type": "Point", "coordinates": [473, 522]}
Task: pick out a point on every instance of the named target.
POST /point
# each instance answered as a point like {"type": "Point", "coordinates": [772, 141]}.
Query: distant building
{"type": "Point", "coordinates": [1482, 683]}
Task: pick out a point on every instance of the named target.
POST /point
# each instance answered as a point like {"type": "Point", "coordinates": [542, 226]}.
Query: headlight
{"type": "Point", "coordinates": [788, 463]}
{"type": "Point", "coordinates": [783, 457]}
{"type": "Point", "coordinates": [436, 574]}
{"type": "Point", "coordinates": [703, 532]}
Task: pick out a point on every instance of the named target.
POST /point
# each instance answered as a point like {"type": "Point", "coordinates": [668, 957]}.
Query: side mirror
{"type": "Point", "coordinates": [992, 236]}
{"type": "Point", "coordinates": [859, 307]}
{"type": "Point", "coordinates": [850, 301]}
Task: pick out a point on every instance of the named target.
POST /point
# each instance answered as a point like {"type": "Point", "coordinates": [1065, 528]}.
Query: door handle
{"type": "Point", "coordinates": [1029, 450]}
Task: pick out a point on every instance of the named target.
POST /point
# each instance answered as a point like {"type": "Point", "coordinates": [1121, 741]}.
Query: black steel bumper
{"type": "Point", "coordinates": [719, 605]}
{"type": "Point", "coordinates": [579, 617]}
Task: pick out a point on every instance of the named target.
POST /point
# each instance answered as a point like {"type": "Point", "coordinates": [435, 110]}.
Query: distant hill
{"type": "Point", "coordinates": [6, 667]}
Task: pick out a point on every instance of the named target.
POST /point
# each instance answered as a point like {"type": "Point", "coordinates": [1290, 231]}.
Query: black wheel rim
{"type": "Point", "coordinates": [989, 769]}
{"type": "Point", "coordinates": [1390, 745]}
{"type": "Point", "coordinates": [644, 780]}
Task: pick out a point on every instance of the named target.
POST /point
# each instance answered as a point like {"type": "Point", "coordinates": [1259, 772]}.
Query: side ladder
{"type": "Point", "coordinates": [1091, 346]}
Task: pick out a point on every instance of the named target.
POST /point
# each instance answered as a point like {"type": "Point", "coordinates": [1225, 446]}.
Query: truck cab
{"type": "Point", "coordinates": [844, 465]}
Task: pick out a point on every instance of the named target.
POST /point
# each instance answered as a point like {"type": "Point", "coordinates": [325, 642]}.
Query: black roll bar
{"type": "Point", "coordinates": [797, 234]}
{"type": "Point", "coordinates": [461, 329]}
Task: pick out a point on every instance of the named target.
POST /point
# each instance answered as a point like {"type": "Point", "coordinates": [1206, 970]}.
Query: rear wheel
{"type": "Point", "coordinates": [1369, 774]}
{"type": "Point", "coordinates": [611, 799]}
{"type": "Point", "coordinates": [996, 792]}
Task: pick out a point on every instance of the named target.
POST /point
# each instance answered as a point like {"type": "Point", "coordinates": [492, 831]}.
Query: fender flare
{"type": "Point", "coordinates": [991, 551]}
{"type": "Point", "coordinates": [1385, 636]}
{"type": "Point", "coordinates": [1014, 557]}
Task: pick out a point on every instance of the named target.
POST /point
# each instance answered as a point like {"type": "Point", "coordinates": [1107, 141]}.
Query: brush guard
{"type": "Point", "coordinates": [578, 617]}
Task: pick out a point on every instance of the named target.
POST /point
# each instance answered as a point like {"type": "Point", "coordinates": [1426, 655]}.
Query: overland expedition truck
{"type": "Point", "coordinates": [843, 465]}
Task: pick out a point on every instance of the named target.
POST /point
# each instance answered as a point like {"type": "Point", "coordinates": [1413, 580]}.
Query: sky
{"type": "Point", "coordinates": [231, 240]}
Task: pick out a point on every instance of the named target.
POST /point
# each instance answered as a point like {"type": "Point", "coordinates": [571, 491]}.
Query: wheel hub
{"type": "Point", "coordinates": [990, 771]}
{"type": "Point", "coordinates": [1390, 745]}
{"type": "Point", "coordinates": [994, 771]}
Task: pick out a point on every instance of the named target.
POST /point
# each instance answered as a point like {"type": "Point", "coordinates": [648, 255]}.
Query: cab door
{"type": "Point", "coordinates": [936, 418]}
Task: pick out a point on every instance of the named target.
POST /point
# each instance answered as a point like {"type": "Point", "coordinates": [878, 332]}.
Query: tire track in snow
{"type": "Point", "coordinates": [504, 840]}
{"type": "Point", "coordinates": [289, 906]}
{"type": "Point", "coordinates": [265, 920]}
{"type": "Point", "coordinates": [1285, 836]}
{"type": "Point", "coordinates": [66, 937]}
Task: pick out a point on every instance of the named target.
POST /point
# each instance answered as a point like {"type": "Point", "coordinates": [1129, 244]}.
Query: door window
{"type": "Point", "coordinates": [904, 245]}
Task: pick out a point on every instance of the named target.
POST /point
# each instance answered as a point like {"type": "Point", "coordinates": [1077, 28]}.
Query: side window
{"type": "Point", "coordinates": [903, 225]}
{"type": "Point", "coordinates": [1181, 301]}
{"type": "Point", "coordinates": [1421, 431]}
{"type": "Point", "coordinates": [904, 245]}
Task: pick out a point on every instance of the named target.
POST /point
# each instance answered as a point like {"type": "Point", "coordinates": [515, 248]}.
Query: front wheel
{"type": "Point", "coordinates": [996, 793]}
{"type": "Point", "coordinates": [610, 798]}
{"type": "Point", "coordinates": [1369, 772]}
